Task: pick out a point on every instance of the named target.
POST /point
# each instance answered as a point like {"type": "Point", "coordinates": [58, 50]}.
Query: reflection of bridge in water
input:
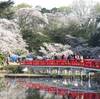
{"type": "Point", "coordinates": [61, 86]}
{"type": "Point", "coordinates": [68, 77]}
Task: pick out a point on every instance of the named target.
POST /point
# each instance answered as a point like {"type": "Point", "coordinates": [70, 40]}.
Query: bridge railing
{"type": "Point", "coordinates": [87, 63]}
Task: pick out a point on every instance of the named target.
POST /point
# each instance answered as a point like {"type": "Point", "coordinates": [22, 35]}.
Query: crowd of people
{"type": "Point", "coordinates": [14, 58]}
{"type": "Point", "coordinates": [17, 58]}
{"type": "Point", "coordinates": [69, 57]}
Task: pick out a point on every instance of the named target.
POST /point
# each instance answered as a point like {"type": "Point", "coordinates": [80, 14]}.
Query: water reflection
{"type": "Point", "coordinates": [73, 84]}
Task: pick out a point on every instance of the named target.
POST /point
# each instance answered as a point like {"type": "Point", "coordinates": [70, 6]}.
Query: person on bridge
{"type": "Point", "coordinates": [63, 57]}
{"type": "Point", "coordinates": [55, 57]}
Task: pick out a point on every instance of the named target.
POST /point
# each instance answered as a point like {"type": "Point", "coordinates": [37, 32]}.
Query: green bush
{"type": "Point", "coordinates": [14, 69]}
{"type": "Point", "coordinates": [1, 59]}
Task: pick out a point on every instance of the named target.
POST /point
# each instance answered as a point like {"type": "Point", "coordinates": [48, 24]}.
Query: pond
{"type": "Point", "coordinates": [14, 87]}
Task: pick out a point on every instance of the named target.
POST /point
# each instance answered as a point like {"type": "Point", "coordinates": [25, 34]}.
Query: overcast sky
{"type": "Point", "coordinates": [48, 3]}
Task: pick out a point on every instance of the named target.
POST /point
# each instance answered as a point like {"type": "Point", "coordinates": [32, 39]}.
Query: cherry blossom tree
{"type": "Point", "coordinates": [10, 37]}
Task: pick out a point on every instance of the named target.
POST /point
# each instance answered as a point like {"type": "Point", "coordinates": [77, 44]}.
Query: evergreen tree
{"type": "Point", "coordinates": [95, 37]}
{"type": "Point", "coordinates": [6, 10]}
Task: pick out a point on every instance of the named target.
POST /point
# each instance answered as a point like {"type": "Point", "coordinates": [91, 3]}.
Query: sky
{"type": "Point", "coordinates": [48, 3]}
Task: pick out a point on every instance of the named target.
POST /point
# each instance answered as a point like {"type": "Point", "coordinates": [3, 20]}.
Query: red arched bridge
{"type": "Point", "coordinates": [70, 93]}
{"type": "Point", "coordinates": [86, 63]}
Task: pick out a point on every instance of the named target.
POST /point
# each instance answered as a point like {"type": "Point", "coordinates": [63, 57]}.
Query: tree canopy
{"type": "Point", "coordinates": [6, 10]}
{"type": "Point", "coordinates": [39, 25]}
{"type": "Point", "coordinates": [22, 5]}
